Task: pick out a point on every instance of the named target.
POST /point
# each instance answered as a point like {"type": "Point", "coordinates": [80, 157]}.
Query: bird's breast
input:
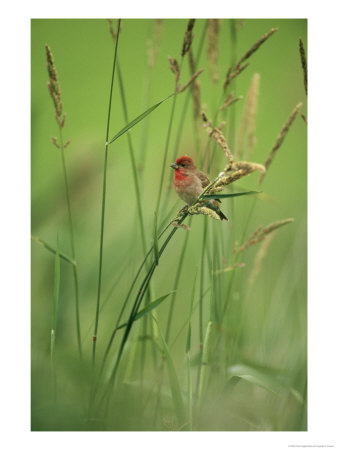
{"type": "Point", "coordinates": [188, 188]}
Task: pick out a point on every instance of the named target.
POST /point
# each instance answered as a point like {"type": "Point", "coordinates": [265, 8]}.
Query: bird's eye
{"type": "Point", "coordinates": [183, 165]}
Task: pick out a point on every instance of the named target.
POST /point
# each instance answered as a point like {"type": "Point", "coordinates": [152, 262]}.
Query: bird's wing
{"type": "Point", "coordinates": [204, 179]}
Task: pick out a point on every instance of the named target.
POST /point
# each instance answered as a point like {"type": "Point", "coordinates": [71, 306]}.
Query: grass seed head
{"type": "Point", "coordinates": [260, 257]}
{"type": "Point", "coordinates": [188, 37]}
{"type": "Point", "coordinates": [54, 87]}
{"type": "Point", "coordinates": [216, 134]}
{"type": "Point", "coordinates": [262, 232]}
{"type": "Point", "coordinates": [192, 79]}
{"type": "Point", "coordinates": [199, 209]}
{"type": "Point", "coordinates": [280, 139]}
{"type": "Point", "coordinates": [255, 47]}
{"type": "Point", "coordinates": [303, 61]}
{"type": "Point", "coordinates": [175, 68]}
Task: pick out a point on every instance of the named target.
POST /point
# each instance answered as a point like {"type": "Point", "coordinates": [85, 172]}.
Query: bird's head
{"type": "Point", "coordinates": [183, 165]}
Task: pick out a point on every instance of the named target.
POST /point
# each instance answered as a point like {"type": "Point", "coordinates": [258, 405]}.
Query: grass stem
{"type": "Point", "coordinates": [104, 201]}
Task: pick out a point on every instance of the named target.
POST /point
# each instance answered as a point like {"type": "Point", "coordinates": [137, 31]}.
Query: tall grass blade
{"type": "Point", "coordinates": [187, 354]}
{"type": "Point", "coordinates": [155, 239]}
{"type": "Point", "coordinates": [235, 194]}
{"type": "Point", "coordinates": [53, 250]}
{"type": "Point", "coordinates": [138, 119]}
{"type": "Point", "coordinates": [147, 309]}
{"type": "Point", "coordinates": [56, 294]}
{"type": "Point", "coordinates": [174, 384]}
{"type": "Point", "coordinates": [204, 363]}
{"type": "Point", "coordinates": [96, 326]}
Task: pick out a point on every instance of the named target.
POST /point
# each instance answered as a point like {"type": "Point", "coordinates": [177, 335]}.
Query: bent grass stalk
{"type": "Point", "coordinates": [110, 343]}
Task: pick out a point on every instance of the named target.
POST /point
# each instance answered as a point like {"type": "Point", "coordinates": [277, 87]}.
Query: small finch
{"type": "Point", "coordinates": [190, 182]}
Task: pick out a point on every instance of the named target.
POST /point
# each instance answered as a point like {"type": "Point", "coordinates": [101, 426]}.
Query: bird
{"type": "Point", "coordinates": [190, 182]}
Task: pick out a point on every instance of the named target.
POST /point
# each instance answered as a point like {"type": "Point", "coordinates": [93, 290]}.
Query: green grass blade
{"type": "Point", "coordinates": [147, 309]}
{"type": "Point", "coordinates": [187, 354]}
{"type": "Point", "coordinates": [188, 341]}
{"type": "Point", "coordinates": [56, 286]}
{"type": "Point", "coordinates": [205, 360]}
{"type": "Point", "coordinates": [189, 392]}
{"type": "Point", "coordinates": [155, 238]}
{"type": "Point", "coordinates": [53, 250]}
{"type": "Point", "coordinates": [174, 384]}
{"type": "Point", "coordinates": [235, 194]}
{"type": "Point", "coordinates": [262, 378]}
{"type": "Point", "coordinates": [56, 295]}
{"type": "Point", "coordinates": [138, 119]}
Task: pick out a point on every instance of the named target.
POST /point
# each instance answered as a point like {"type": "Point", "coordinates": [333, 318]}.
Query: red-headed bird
{"type": "Point", "coordinates": [190, 182]}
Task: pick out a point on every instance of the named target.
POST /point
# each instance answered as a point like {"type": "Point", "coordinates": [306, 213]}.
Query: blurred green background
{"type": "Point", "coordinates": [272, 312]}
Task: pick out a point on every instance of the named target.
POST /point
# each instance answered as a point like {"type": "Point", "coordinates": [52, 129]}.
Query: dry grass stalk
{"type": "Point", "coordinates": [304, 63]}
{"type": "Point", "coordinates": [239, 24]}
{"type": "Point", "coordinates": [248, 119]}
{"type": "Point", "coordinates": [153, 44]}
{"type": "Point", "coordinates": [234, 72]}
{"type": "Point", "coordinates": [230, 268]}
{"type": "Point", "coordinates": [216, 134]}
{"type": "Point", "coordinates": [199, 209]}
{"type": "Point", "coordinates": [261, 233]}
{"type": "Point", "coordinates": [280, 139]}
{"type": "Point", "coordinates": [54, 86]}
{"type": "Point", "coordinates": [188, 37]}
{"type": "Point", "coordinates": [181, 225]}
{"type": "Point", "coordinates": [230, 100]}
{"type": "Point", "coordinates": [192, 80]}
{"type": "Point", "coordinates": [238, 170]}
{"type": "Point", "coordinates": [260, 257]}
{"type": "Point", "coordinates": [158, 30]}
{"type": "Point", "coordinates": [252, 112]}
{"type": "Point", "coordinates": [303, 117]}
{"type": "Point", "coordinates": [213, 36]}
{"type": "Point", "coordinates": [111, 28]}
{"type": "Point", "coordinates": [195, 88]}
{"type": "Point", "coordinates": [255, 47]}
{"type": "Point", "coordinates": [175, 68]}
{"type": "Point", "coordinates": [55, 92]}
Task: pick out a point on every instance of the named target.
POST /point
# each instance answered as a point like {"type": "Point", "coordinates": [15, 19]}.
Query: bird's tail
{"type": "Point", "coordinates": [221, 215]}
{"type": "Point", "coordinates": [217, 210]}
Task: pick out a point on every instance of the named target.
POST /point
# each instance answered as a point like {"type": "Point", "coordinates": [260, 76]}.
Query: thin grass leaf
{"type": "Point", "coordinates": [188, 341]}
{"type": "Point", "coordinates": [235, 194]}
{"type": "Point", "coordinates": [56, 291]}
{"type": "Point", "coordinates": [173, 380]}
{"type": "Point", "coordinates": [53, 250]}
{"type": "Point", "coordinates": [189, 392]}
{"type": "Point", "coordinates": [147, 309]}
{"type": "Point", "coordinates": [56, 295]}
{"type": "Point", "coordinates": [138, 119]}
{"type": "Point", "coordinates": [155, 238]}
{"type": "Point", "coordinates": [204, 362]}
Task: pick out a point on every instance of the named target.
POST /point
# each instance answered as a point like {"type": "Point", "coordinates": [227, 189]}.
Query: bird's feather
{"type": "Point", "coordinates": [204, 179]}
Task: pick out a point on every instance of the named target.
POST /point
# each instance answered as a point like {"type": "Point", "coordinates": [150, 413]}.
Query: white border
{"type": "Point", "coordinates": [15, 182]}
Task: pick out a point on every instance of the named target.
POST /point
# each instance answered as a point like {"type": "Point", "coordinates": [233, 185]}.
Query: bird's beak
{"type": "Point", "coordinates": [174, 166]}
